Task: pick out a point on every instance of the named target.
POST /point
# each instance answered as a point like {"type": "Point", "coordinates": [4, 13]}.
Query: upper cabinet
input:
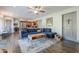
{"type": "Point", "coordinates": [29, 24]}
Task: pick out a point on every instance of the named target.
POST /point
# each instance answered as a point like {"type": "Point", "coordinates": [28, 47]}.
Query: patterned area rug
{"type": "Point", "coordinates": [36, 46]}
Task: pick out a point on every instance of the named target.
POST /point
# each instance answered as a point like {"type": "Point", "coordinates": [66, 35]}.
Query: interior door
{"type": "Point", "coordinates": [70, 26]}
{"type": "Point", "coordinates": [8, 26]}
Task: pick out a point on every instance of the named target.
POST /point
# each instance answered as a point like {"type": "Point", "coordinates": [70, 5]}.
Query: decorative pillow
{"type": "Point", "coordinates": [39, 30]}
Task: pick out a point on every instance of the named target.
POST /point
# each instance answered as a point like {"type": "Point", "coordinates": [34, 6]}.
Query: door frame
{"type": "Point", "coordinates": [63, 23]}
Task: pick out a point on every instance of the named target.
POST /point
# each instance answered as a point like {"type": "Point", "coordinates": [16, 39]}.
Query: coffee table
{"type": "Point", "coordinates": [35, 36]}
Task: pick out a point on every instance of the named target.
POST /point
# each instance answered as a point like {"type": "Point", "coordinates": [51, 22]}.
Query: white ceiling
{"type": "Point", "coordinates": [24, 12]}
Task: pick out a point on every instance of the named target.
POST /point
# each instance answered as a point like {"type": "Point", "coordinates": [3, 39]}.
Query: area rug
{"type": "Point", "coordinates": [37, 45]}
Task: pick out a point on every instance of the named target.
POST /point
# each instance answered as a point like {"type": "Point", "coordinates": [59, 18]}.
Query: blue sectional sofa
{"type": "Point", "coordinates": [25, 32]}
{"type": "Point", "coordinates": [48, 32]}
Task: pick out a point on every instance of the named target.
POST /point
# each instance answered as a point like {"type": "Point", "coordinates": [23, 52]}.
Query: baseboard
{"type": "Point", "coordinates": [7, 33]}
{"type": "Point", "coordinates": [73, 40]}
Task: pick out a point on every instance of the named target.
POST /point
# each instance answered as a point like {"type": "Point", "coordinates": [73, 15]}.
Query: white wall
{"type": "Point", "coordinates": [12, 23]}
{"type": "Point", "coordinates": [1, 24]}
{"type": "Point", "coordinates": [57, 20]}
{"type": "Point", "coordinates": [78, 25]}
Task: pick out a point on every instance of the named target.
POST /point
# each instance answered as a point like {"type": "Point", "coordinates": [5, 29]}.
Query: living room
{"type": "Point", "coordinates": [38, 27]}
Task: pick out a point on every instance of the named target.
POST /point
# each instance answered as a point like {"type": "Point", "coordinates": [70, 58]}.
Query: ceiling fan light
{"type": "Point", "coordinates": [35, 12]}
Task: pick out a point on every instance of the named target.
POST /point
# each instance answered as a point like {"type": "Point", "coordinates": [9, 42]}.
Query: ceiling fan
{"type": "Point", "coordinates": [37, 9]}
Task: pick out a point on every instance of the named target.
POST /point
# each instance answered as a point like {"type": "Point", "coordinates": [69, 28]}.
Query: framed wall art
{"type": "Point", "coordinates": [49, 22]}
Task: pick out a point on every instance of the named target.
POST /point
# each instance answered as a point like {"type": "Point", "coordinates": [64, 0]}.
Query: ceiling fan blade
{"type": "Point", "coordinates": [42, 11]}
{"type": "Point", "coordinates": [30, 7]}
{"type": "Point", "coordinates": [37, 8]}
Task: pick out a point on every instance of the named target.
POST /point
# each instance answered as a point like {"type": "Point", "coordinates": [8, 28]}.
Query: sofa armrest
{"type": "Point", "coordinates": [24, 34]}
{"type": "Point", "coordinates": [50, 34]}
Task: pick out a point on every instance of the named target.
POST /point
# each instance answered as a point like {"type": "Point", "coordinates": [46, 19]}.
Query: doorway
{"type": "Point", "coordinates": [7, 26]}
{"type": "Point", "coordinates": [69, 26]}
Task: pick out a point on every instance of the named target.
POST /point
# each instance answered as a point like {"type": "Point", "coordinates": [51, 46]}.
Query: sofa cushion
{"type": "Point", "coordinates": [46, 30]}
{"type": "Point", "coordinates": [39, 30]}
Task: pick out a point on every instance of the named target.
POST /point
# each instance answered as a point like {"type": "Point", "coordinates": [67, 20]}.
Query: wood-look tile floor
{"type": "Point", "coordinates": [14, 36]}
{"type": "Point", "coordinates": [11, 44]}
{"type": "Point", "coordinates": [65, 46]}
